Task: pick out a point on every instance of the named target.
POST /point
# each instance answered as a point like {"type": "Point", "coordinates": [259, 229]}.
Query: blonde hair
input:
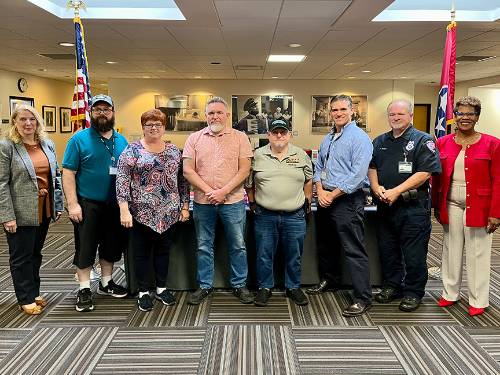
{"type": "Point", "coordinates": [14, 135]}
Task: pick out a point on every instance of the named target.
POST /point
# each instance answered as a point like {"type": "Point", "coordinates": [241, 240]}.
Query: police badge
{"type": "Point", "coordinates": [410, 145]}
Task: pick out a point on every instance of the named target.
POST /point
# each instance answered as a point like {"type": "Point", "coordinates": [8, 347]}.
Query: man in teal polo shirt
{"type": "Point", "coordinates": [279, 191]}
{"type": "Point", "coordinates": [89, 174]}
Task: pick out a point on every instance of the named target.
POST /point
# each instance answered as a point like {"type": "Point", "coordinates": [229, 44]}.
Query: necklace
{"type": "Point", "coordinates": [33, 147]}
{"type": "Point", "coordinates": [466, 141]}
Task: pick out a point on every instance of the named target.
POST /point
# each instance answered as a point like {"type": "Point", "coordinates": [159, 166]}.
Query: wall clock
{"type": "Point", "coordinates": [22, 84]}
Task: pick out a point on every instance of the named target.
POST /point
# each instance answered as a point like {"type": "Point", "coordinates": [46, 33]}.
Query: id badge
{"type": "Point", "coordinates": [323, 175]}
{"type": "Point", "coordinates": [405, 166]}
{"type": "Point", "coordinates": [112, 170]}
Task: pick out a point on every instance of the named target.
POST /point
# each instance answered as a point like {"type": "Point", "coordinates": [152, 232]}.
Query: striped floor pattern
{"type": "Point", "coordinates": [222, 336]}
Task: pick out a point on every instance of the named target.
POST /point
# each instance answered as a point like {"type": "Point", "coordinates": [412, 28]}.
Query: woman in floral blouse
{"type": "Point", "coordinates": [153, 195]}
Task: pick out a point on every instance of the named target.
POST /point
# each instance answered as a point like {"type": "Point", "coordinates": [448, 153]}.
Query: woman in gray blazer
{"type": "Point", "coordinates": [30, 196]}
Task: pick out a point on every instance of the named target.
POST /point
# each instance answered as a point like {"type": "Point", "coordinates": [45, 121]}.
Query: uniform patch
{"type": "Point", "coordinates": [410, 145]}
{"type": "Point", "coordinates": [431, 146]}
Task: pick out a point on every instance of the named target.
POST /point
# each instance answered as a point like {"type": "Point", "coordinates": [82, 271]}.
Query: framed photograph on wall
{"type": "Point", "coordinates": [14, 101]}
{"type": "Point", "coordinates": [252, 114]}
{"type": "Point", "coordinates": [185, 113]}
{"type": "Point", "coordinates": [49, 117]}
{"type": "Point", "coordinates": [65, 119]}
{"type": "Point", "coordinates": [321, 122]}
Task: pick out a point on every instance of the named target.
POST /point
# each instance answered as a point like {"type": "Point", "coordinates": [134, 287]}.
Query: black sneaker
{"type": "Point", "coordinates": [166, 298]}
{"type": "Point", "coordinates": [84, 300]}
{"type": "Point", "coordinates": [198, 296]}
{"type": "Point", "coordinates": [262, 297]}
{"type": "Point", "coordinates": [145, 303]}
{"type": "Point", "coordinates": [297, 296]}
{"type": "Point", "coordinates": [112, 289]}
{"type": "Point", "coordinates": [243, 294]}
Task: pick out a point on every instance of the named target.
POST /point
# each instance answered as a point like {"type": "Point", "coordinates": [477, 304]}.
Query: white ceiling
{"type": "Point", "coordinates": [337, 36]}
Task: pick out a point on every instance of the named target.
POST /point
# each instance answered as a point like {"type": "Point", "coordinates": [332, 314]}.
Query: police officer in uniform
{"type": "Point", "coordinates": [403, 161]}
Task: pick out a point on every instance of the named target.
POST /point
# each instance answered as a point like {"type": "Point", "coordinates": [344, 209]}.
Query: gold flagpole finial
{"type": "Point", "coordinates": [76, 5]}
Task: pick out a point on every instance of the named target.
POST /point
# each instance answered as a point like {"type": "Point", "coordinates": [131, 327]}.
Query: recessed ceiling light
{"type": "Point", "coordinates": [197, 77]}
{"type": "Point", "coordinates": [286, 58]}
{"type": "Point", "coordinates": [294, 45]}
{"type": "Point", "coordinates": [403, 77]}
{"type": "Point", "coordinates": [487, 58]}
{"type": "Point", "coordinates": [42, 70]}
{"type": "Point", "coordinates": [67, 44]}
{"type": "Point", "coordinates": [111, 62]}
{"type": "Point", "coordinates": [274, 77]}
{"type": "Point", "coordinates": [351, 77]}
{"type": "Point", "coordinates": [350, 64]}
{"type": "Point", "coordinates": [215, 63]}
{"type": "Point", "coordinates": [146, 77]}
{"type": "Point", "coordinates": [366, 71]}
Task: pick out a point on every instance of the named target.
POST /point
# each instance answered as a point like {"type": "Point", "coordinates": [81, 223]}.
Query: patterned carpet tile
{"type": "Point", "coordinates": [488, 338]}
{"type": "Point", "coordinates": [249, 349]}
{"type": "Point", "coordinates": [227, 309]}
{"type": "Point", "coordinates": [153, 351]}
{"type": "Point", "coordinates": [428, 313]}
{"type": "Point", "coordinates": [10, 339]}
{"type": "Point", "coordinates": [108, 311]}
{"type": "Point", "coordinates": [52, 280]}
{"type": "Point", "coordinates": [326, 310]}
{"type": "Point", "coordinates": [179, 315]}
{"type": "Point", "coordinates": [460, 313]}
{"type": "Point", "coordinates": [344, 350]}
{"type": "Point", "coordinates": [58, 351]}
{"type": "Point", "coordinates": [439, 350]}
{"type": "Point", "coordinates": [12, 317]}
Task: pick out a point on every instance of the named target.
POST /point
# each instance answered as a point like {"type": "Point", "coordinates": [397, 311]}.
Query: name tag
{"type": "Point", "coordinates": [112, 171]}
{"type": "Point", "coordinates": [405, 166]}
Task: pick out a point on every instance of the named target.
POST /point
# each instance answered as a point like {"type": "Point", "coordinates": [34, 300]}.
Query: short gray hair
{"type": "Point", "coordinates": [407, 103]}
{"type": "Point", "coordinates": [342, 98]}
{"type": "Point", "coordinates": [217, 99]}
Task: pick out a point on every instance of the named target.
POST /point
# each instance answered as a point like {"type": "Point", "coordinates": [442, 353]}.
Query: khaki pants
{"type": "Point", "coordinates": [477, 244]}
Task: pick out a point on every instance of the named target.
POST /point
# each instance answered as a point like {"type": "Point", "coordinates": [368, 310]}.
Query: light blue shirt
{"type": "Point", "coordinates": [344, 158]}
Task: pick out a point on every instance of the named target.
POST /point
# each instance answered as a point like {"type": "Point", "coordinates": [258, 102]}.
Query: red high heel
{"type": "Point", "coordinates": [475, 310]}
{"type": "Point", "coordinates": [445, 303]}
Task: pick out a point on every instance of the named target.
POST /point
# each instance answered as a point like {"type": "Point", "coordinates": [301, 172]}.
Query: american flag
{"type": "Point", "coordinates": [80, 109]}
{"type": "Point", "coordinates": [444, 113]}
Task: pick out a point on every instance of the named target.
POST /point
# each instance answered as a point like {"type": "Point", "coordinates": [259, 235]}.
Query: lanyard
{"type": "Point", "coordinates": [112, 150]}
{"type": "Point", "coordinates": [330, 145]}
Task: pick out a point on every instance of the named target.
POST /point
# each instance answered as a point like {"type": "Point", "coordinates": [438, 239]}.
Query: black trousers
{"type": "Point", "coordinates": [341, 230]}
{"type": "Point", "coordinates": [403, 232]}
{"type": "Point", "coordinates": [149, 247]}
{"type": "Point", "coordinates": [25, 249]}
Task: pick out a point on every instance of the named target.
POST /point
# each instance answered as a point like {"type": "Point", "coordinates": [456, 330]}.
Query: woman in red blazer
{"type": "Point", "coordinates": [466, 201]}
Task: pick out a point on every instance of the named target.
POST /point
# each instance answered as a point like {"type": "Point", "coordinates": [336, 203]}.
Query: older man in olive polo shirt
{"type": "Point", "coordinates": [280, 190]}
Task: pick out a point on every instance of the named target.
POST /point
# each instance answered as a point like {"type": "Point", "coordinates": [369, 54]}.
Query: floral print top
{"type": "Point", "coordinates": [152, 184]}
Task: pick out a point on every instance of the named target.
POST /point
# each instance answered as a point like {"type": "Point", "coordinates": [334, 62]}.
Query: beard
{"type": "Point", "coordinates": [102, 124]}
{"type": "Point", "coordinates": [216, 128]}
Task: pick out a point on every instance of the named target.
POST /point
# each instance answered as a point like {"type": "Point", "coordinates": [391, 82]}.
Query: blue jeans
{"type": "Point", "coordinates": [233, 217]}
{"type": "Point", "coordinates": [290, 229]}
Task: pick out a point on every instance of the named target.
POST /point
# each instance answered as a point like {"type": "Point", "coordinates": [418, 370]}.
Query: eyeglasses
{"type": "Point", "coordinates": [156, 125]}
{"type": "Point", "coordinates": [279, 131]}
{"type": "Point", "coordinates": [464, 114]}
{"type": "Point", "coordinates": [98, 111]}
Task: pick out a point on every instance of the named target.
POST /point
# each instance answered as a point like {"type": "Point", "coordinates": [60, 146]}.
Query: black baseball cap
{"type": "Point", "coordinates": [280, 123]}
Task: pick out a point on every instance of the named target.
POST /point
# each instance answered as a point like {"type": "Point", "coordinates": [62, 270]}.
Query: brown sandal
{"type": "Point", "coordinates": [37, 310]}
{"type": "Point", "coordinates": [40, 301]}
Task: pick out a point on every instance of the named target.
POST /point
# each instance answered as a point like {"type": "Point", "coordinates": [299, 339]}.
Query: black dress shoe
{"type": "Point", "coordinates": [409, 304]}
{"type": "Point", "coordinates": [322, 287]}
{"type": "Point", "coordinates": [356, 309]}
{"type": "Point", "coordinates": [243, 294]}
{"type": "Point", "coordinates": [387, 294]}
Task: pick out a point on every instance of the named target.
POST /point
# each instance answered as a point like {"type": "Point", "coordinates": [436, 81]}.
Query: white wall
{"type": "Point", "coordinates": [489, 121]}
{"type": "Point", "coordinates": [132, 97]}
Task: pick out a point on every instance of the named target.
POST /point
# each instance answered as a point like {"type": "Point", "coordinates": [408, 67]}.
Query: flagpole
{"type": "Point", "coordinates": [452, 10]}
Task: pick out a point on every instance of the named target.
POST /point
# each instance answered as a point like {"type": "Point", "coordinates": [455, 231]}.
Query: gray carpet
{"type": "Point", "coordinates": [222, 336]}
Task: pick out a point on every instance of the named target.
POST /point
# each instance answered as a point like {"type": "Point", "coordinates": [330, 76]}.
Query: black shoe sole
{"type": "Point", "coordinates": [350, 315]}
{"type": "Point", "coordinates": [260, 304]}
{"type": "Point", "coordinates": [145, 310]}
{"type": "Point", "coordinates": [409, 309]}
{"type": "Point", "coordinates": [166, 304]}
{"type": "Point", "coordinates": [102, 293]}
